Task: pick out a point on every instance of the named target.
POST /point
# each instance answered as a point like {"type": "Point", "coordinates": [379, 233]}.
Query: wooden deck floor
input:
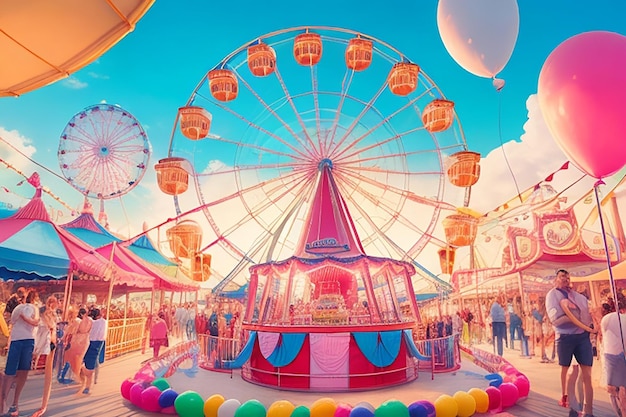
{"type": "Point", "coordinates": [105, 399]}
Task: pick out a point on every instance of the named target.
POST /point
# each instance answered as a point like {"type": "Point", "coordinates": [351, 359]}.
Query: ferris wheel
{"type": "Point", "coordinates": [103, 152]}
{"type": "Point", "coordinates": [255, 131]}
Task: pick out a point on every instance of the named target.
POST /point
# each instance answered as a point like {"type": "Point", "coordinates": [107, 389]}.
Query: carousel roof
{"type": "Point", "coordinates": [43, 41]}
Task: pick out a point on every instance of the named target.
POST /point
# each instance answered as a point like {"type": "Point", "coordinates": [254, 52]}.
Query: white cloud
{"type": "Point", "coordinates": [98, 76]}
{"type": "Point", "coordinates": [531, 160]}
{"type": "Point", "coordinates": [74, 83]}
{"type": "Point", "coordinates": [20, 142]}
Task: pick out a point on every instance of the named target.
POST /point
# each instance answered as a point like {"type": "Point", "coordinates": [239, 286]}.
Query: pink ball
{"type": "Point", "coordinates": [510, 394]}
{"type": "Point", "coordinates": [343, 410]}
{"type": "Point", "coordinates": [135, 394]}
{"type": "Point", "coordinates": [495, 398]}
{"type": "Point", "coordinates": [523, 386]}
{"type": "Point", "coordinates": [126, 386]}
{"type": "Point", "coordinates": [168, 410]}
{"type": "Point", "coordinates": [150, 399]}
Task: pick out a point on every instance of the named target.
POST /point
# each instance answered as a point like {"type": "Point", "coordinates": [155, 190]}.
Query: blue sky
{"type": "Point", "coordinates": [153, 70]}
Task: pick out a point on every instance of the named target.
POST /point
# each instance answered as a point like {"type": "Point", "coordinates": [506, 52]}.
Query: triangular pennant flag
{"type": "Point", "coordinates": [565, 166]}
{"type": "Point", "coordinates": [549, 177]}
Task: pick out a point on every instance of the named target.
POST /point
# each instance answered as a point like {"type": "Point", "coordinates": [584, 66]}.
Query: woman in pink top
{"type": "Point", "coordinates": [158, 334]}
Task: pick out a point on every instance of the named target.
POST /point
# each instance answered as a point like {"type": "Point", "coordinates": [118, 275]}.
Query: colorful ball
{"type": "Point", "coordinates": [392, 408]}
{"type": "Point", "coordinates": [495, 398]}
{"type": "Point", "coordinates": [466, 404]}
{"type": "Point", "coordinates": [126, 386]}
{"type": "Point", "coordinates": [343, 410]}
{"type": "Point", "coordinates": [189, 404]}
{"type": "Point", "coordinates": [510, 394]}
{"type": "Point", "coordinates": [161, 384]}
{"type": "Point", "coordinates": [228, 408]}
{"type": "Point", "coordinates": [361, 411]}
{"type": "Point", "coordinates": [135, 394]}
{"type": "Point", "coordinates": [324, 407]}
{"type": "Point", "coordinates": [446, 406]}
{"type": "Point", "coordinates": [167, 398]}
{"type": "Point", "coordinates": [430, 407]}
{"type": "Point", "coordinates": [523, 385]}
{"type": "Point", "coordinates": [212, 404]}
{"type": "Point", "coordinates": [301, 411]}
{"type": "Point", "coordinates": [251, 408]}
{"type": "Point", "coordinates": [365, 404]}
{"type": "Point", "coordinates": [169, 410]}
{"type": "Point", "coordinates": [418, 410]}
{"type": "Point", "coordinates": [150, 399]}
{"type": "Point", "coordinates": [481, 398]}
{"type": "Point", "coordinates": [282, 408]}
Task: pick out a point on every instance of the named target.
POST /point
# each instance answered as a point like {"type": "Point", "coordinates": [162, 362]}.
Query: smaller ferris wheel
{"type": "Point", "coordinates": [103, 153]}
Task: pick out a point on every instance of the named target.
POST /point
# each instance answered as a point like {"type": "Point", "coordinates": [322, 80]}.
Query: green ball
{"type": "Point", "coordinates": [301, 411]}
{"type": "Point", "coordinates": [251, 408]}
{"type": "Point", "coordinates": [189, 404]}
{"type": "Point", "coordinates": [392, 408]}
{"type": "Point", "coordinates": [161, 384]}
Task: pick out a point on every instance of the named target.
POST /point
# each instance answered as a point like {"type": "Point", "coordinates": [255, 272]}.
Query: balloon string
{"type": "Point", "coordinates": [608, 261]}
{"type": "Point", "coordinates": [506, 159]}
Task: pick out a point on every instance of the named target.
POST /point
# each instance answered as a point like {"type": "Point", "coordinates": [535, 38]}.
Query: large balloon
{"type": "Point", "coordinates": [582, 91]}
{"type": "Point", "coordinates": [480, 34]}
{"type": "Point", "coordinates": [281, 408]}
{"type": "Point", "coordinates": [251, 408]}
{"type": "Point", "coordinates": [228, 408]}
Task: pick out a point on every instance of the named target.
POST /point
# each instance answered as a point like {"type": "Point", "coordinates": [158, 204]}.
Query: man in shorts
{"type": "Point", "coordinates": [569, 313]}
{"type": "Point", "coordinates": [25, 319]}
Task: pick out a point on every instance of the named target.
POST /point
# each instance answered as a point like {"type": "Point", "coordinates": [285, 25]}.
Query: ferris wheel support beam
{"type": "Point", "coordinates": [273, 113]}
{"type": "Point", "coordinates": [345, 87]}
{"type": "Point", "coordinates": [295, 110]}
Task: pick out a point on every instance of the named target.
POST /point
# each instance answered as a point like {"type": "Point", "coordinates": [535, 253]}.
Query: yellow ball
{"type": "Point", "coordinates": [466, 404]}
{"type": "Point", "coordinates": [212, 404]}
{"type": "Point", "coordinates": [282, 408]}
{"type": "Point", "coordinates": [446, 406]}
{"type": "Point", "coordinates": [324, 407]}
{"type": "Point", "coordinates": [481, 398]}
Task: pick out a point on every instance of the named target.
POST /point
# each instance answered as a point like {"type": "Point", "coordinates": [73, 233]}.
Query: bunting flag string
{"type": "Point", "coordinates": [44, 189]}
{"type": "Point", "coordinates": [522, 197]}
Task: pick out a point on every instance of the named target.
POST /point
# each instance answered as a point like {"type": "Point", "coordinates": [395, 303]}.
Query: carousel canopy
{"type": "Point", "coordinates": [43, 41]}
{"type": "Point", "coordinates": [32, 247]}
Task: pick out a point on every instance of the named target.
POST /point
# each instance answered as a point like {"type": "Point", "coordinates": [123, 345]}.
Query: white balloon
{"type": "Point", "coordinates": [479, 34]}
{"type": "Point", "coordinates": [228, 408]}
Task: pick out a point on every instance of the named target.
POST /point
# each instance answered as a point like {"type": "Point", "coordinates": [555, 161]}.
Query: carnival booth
{"type": "Point", "coordinates": [330, 318]}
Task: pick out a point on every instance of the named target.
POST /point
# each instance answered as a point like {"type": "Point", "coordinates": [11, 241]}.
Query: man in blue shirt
{"type": "Point", "coordinates": [498, 325]}
{"type": "Point", "coordinates": [569, 313]}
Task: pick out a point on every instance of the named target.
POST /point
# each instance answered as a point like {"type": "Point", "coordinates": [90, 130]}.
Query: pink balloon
{"type": "Point", "coordinates": [582, 91]}
{"type": "Point", "coordinates": [135, 394]}
{"type": "Point", "coordinates": [168, 410]}
{"type": "Point", "coordinates": [495, 398]}
{"type": "Point", "coordinates": [125, 388]}
{"type": "Point", "coordinates": [523, 386]}
{"type": "Point", "coordinates": [510, 394]}
{"type": "Point", "coordinates": [342, 410]}
{"type": "Point", "coordinates": [150, 399]}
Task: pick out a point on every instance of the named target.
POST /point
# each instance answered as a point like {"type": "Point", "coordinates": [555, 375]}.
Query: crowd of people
{"type": "Point", "coordinates": [31, 330]}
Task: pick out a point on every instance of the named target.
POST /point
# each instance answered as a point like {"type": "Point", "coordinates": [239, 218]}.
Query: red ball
{"type": "Point", "coordinates": [126, 386]}
{"type": "Point", "coordinates": [495, 398]}
{"type": "Point", "coordinates": [510, 394]}
{"type": "Point", "coordinates": [523, 386]}
{"type": "Point", "coordinates": [150, 399]}
{"type": "Point", "coordinates": [135, 394]}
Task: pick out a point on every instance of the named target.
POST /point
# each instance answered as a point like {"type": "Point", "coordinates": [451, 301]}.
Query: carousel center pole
{"type": "Point", "coordinates": [608, 256]}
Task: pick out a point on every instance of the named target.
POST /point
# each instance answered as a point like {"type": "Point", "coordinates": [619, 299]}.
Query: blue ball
{"type": "Point", "coordinates": [418, 410]}
{"type": "Point", "coordinates": [167, 398]}
{"type": "Point", "coordinates": [361, 412]}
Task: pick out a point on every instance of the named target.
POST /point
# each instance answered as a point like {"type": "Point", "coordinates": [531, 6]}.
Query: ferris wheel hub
{"type": "Point", "coordinates": [326, 162]}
